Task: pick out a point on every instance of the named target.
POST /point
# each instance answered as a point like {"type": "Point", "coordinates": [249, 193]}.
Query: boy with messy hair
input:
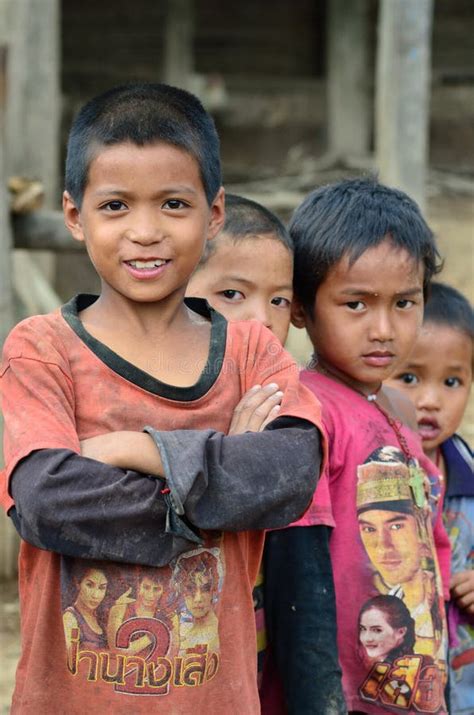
{"type": "Point", "coordinates": [364, 257]}
{"type": "Point", "coordinates": [437, 378]}
{"type": "Point", "coordinates": [87, 479]}
{"type": "Point", "coordinates": [246, 273]}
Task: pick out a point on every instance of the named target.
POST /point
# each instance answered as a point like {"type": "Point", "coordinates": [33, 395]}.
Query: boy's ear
{"type": "Point", "coordinates": [72, 217]}
{"type": "Point", "coordinates": [298, 314]}
{"type": "Point", "coordinates": [217, 216]}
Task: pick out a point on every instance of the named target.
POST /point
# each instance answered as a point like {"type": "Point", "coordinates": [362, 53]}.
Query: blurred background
{"type": "Point", "coordinates": [302, 92]}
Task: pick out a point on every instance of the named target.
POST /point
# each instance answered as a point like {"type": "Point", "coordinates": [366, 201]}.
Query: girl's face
{"type": "Point", "coordinates": [92, 589]}
{"type": "Point", "coordinates": [377, 635]}
{"type": "Point", "coordinates": [367, 316]}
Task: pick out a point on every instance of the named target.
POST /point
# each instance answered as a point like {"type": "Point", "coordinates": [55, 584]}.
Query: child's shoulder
{"type": "Point", "coordinates": [254, 345]}
{"type": "Point", "coordinates": [37, 337]}
{"type": "Point", "coordinates": [337, 399]}
{"type": "Point", "coordinates": [459, 463]}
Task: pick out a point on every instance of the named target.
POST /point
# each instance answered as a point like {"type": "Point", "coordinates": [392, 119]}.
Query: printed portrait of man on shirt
{"type": "Point", "coordinates": [393, 529]}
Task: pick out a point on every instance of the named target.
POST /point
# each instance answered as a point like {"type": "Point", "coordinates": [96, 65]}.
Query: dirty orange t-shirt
{"type": "Point", "coordinates": [105, 637]}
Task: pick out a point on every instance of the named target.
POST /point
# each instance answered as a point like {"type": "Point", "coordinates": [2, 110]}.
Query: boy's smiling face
{"type": "Point", "coordinates": [437, 378]}
{"type": "Point", "coordinates": [145, 220]}
{"type": "Point", "coordinates": [248, 279]}
{"type": "Point", "coordinates": [366, 316]}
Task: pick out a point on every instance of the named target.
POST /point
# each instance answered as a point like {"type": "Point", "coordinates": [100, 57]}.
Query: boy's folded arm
{"type": "Point", "coordinates": [80, 507]}
{"type": "Point", "coordinates": [259, 480]}
{"type": "Point", "coordinates": [300, 618]}
{"type": "Point", "coordinates": [247, 481]}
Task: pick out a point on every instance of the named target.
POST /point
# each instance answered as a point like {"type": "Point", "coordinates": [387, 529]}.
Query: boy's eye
{"type": "Point", "coordinates": [281, 302]}
{"type": "Point", "coordinates": [405, 303]}
{"type": "Point", "coordinates": [356, 305]}
{"type": "Point", "coordinates": [232, 295]}
{"type": "Point", "coordinates": [114, 205]}
{"type": "Point", "coordinates": [453, 382]}
{"type": "Point", "coordinates": [174, 204]}
{"type": "Point", "coordinates": [408, 378]}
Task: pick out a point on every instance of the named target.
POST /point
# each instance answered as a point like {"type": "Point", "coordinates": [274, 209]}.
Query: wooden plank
{"type": "Point", "coordinates": [44, 230]}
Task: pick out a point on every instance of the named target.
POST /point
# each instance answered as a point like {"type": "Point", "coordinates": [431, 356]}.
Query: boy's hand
{"type": "Point", "coordinates": [462, 590]}
{"type": "Point", "coordinates": [259, 406]}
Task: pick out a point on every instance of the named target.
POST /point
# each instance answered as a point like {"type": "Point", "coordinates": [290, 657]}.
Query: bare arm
{"type": "Point", "coordinates": [125, 450]}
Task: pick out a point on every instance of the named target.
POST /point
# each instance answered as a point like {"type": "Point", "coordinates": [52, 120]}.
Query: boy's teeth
{"type": "Point", "coordinates": [147, 264]}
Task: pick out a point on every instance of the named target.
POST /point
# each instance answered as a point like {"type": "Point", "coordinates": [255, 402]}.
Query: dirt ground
{"type": "Point", "coordinates": [452, 218]}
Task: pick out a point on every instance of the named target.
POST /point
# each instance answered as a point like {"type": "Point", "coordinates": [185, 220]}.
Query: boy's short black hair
{"type": "Point", "coordinates": [245, 218]}
{"type": "Point", "coordinates": [143, 114]}
{"type": "Point", "coordinates": [447, 306]}
{"type": "Point", "coordinates": [349, 217]}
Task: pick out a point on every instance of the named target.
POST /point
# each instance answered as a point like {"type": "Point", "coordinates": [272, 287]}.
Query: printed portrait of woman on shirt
{"type": "Point", "coordinates": [83, 619]}
{"type": "Point", "coordinates": [386, 630]}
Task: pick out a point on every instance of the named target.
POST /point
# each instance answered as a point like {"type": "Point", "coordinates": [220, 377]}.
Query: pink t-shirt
{"type": "Point", "coordinates": [388, 551]}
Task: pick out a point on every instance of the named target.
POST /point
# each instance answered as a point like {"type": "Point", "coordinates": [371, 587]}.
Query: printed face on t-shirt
{"type": "Point", "coordinates": [198, 595]}
{"type": "Point", "coordinates": [367, 315]}
{"type": "Point", "coordinates": [149, 592]}
{"type": "Point", "coordinates": [248, 279]}
{"type": "Point", "coordinates": [377, 636]}
{"type": "Point", "coordinates": [437, 378]}
{"type": "Point", "coordinates": [392, 543]}
{"type": "Point", "coordinates": [92, 589]}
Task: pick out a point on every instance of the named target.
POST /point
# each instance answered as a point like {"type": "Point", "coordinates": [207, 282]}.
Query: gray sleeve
{"type": "Point", "coordinates": [260, 480]}
{"type": "Point", "coordinates": [82, 508]}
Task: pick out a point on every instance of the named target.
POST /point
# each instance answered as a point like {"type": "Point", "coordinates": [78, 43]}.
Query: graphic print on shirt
{"type": "Point", "coordinates": [459, 522]}
{"type": "Point", "coordinates": [143, 630]}
{"type": "Point", "coordinates": [401, 642]}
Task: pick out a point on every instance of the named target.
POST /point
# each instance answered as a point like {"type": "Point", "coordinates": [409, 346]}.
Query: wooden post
{"type": "Point", "coordinates": [8, 538]}
{"type": "Point", "coordinates": [6, 244]}
{"type": "Point", "coordinates": [33, 110]}
{"type": "Point", "coordinates": [178, 41]}
{"type": "Point", "coordinates": [402, 94]}
{"type": "Point", "coordinates": [33, 98]}
{"type": "Point", "coordinates": [348, 81]}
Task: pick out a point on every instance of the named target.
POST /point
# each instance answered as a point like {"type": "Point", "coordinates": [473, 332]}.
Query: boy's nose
{"type": "Point", "coordinates": [381, 328]}
{"type": "Point", "coordinates": [144, 237]}
{"type": "Point", "coordinates": [145, 230]}
{"type": "Point", "coordinates": [428, 398]}
{"type": "Point", "coordinates": [260, 311]}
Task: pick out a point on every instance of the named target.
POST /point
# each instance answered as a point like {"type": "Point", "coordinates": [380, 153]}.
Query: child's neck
{"type": "Point", "coordinates": [133, 317]}
{"type": "Point", "coordinates": [365, 389]}
{"type": "Point", "coordinates": [152, 336]}
{"type": "Point", "coordinates": [435, 455]}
